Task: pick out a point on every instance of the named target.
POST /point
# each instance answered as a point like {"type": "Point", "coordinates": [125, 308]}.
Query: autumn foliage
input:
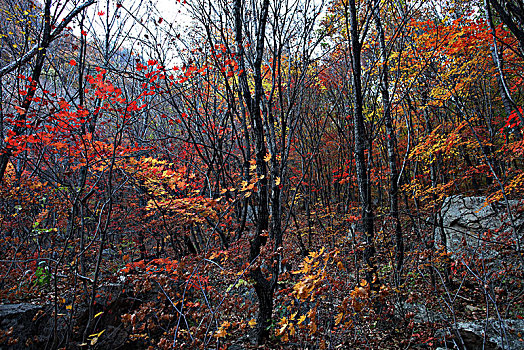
{"type": "Point", "coordinates": [275, 177]}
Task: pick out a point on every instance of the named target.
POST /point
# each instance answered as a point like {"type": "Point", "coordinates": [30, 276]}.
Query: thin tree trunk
{"type": "Point", "coordinates": [359, 131]}
{"type": "Point", "coordinates": [263, 288]}
{"type": "Point", "coordinates": [47, 37]}
{"type": "Point", "coordinates": [390, 143]}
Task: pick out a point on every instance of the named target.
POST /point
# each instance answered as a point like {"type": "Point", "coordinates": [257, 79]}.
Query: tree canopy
{"type": "Point", "coordinates": [262, 172]}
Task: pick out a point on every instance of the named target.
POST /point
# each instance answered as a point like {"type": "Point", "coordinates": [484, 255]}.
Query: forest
{"type": "Point", "coordinates": [261, 174]}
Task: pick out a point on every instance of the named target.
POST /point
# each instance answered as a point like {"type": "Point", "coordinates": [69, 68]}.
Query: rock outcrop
{"type": "Point", "coordinates": [21, 326]}
{"type": "Point", "coordinates": [489, 334]}
{"type": "Point", "coordinates": [471, 224]}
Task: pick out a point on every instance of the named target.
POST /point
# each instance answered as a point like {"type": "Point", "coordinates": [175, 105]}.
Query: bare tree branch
{"type": "Point", "coordinates": [54, 35]}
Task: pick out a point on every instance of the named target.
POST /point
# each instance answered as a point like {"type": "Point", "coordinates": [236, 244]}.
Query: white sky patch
{"type": "Point", "coordinates": [144, 27]}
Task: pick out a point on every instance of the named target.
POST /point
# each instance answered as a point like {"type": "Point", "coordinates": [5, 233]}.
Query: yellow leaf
{"type": "Point", "coordinates": [302, 290]}
{"type": "Point", "coordinates": [69, 307]}
{"type": "Point", "coordinates": [282, 329]}
{"type": "Point", "coordinates": [98, 314]}
{"type": "Point", "coordinates": [292, 330]}
{"type": "Point", "coordinates": [277, 181]}
{"type": "Point", "coordinates": [313, 328]}
{"type": "Point", "coordinates": [96, 335]}
{"type": "Point", "coordinates": [338, 318]}
{"type": "Point", "coordinates": [267, 158]}
{"type": "Point", "coordinates": [285, 338]}
{"type": "Point", "coordinates": [94, 340]}
{"type": "Point", "coordinates": [252, 323]}
{"type": "Point", "coordinates": [301, 319]}
{"type": "Point", "coordinates": [221, 333]}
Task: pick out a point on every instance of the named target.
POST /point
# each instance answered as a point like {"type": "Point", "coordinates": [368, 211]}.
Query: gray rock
{"type": "Point", "coordinates": [491, 334]}
{"type": "Point", "coordinates": [466, 219]}
{"type": "Point", "coordinates": [471, 308]}
{"type": "Point", "coordinates": [109, 252]}
{"type": "Point", "coordinates": [30, 326]}
{"type": "Point", "coordinates": [10, 311]}
{"type": "Point", "coordinates": [236, 347]}
{"type": "Point", "coordinates": [421, 313]}
{"type": "Point", "coordinates": [17, 321]}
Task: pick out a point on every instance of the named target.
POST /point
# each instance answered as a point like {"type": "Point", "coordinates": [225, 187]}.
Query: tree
{"type": "Point", "coordinates": [511, 13]}
{"type": "Point", "coordinates": [51, 30]}
{"type": "Point", "coordinates": [261, 172]}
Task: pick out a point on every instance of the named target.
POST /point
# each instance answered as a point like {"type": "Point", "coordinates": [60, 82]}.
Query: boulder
{"type": "Point", "coordinates": [30, 326]}
{"type": "Point", "coordinates": [18, 325]}
{"type": "Point", "coordinates": [469, 223]}
{"type": "Point", "coordinates": [490, 334]}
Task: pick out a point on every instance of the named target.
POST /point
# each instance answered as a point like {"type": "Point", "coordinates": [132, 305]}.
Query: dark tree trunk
{"type": "Point", "coordinates": [513, 17]}
{"type": "Point", "coordinates": [359, 131]}
{"type": "Point", "coordinates": [47, 38]}
{"type": "Point", "coordinates": [263, 287]}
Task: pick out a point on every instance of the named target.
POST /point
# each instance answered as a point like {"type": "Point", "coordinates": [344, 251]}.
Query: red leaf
{"type": "Point", "coordinates": [20, 110]}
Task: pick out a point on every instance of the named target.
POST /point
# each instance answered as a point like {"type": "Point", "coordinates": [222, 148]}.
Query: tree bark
{"type": "Point", "coordinates": [359, 132]}
{"type": "Point", "coordinates": [263, 288]}
{"type": "Point", "coordinates": [390, 142]}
